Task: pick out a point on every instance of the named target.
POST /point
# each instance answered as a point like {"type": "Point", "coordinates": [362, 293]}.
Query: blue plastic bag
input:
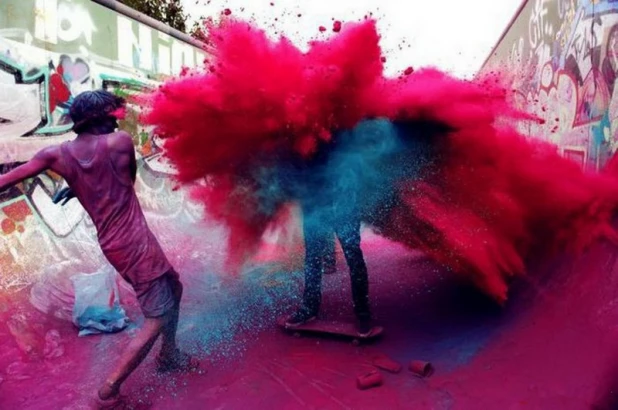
{"type": "Point", "coordinates": [97, 303]}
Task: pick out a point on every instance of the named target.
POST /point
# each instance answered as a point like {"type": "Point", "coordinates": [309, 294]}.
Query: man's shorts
{"type": "Point", "coordinates": [159, 296]}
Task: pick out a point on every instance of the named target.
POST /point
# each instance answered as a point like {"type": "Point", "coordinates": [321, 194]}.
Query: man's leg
{"type": "Point", "coordinates": [132, 356]}
{"type": "Point", "coordinates": [330, 255]}
{"type": "Point", "coordinates": [168, 333]}
{"type": "Point", "coordinates": [170, 358]}
{"type": "Point", "coordinates": [314, 262]}
{"type": "Point", "coordinates": [160, 302]}
{"type": "Point", "coordinates": [348, 233]}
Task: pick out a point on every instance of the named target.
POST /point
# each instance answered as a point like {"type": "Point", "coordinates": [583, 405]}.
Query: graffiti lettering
{"type": "Point", "coordinates": [67, 22]}
{"type": "Point", "coordinates": [137, 49]}
{"type": "Point", "coordinates": [570, 75]}
{"type": "Point", "coordinates": [538, 27]}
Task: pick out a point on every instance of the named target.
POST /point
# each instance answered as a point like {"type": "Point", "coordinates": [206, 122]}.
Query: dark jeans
{"type": "Point", "coordinates": [320, 246]}
{"type": "Point", "coordinates": [330, 255]}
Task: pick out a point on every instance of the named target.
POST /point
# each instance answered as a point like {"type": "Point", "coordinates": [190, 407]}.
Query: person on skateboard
{"type": "Point", "coordinates": [325, 216]}
{"type": "Point", "coordinates": [318, 237]}
{"type": "Point", "coordinates": [100, 168]}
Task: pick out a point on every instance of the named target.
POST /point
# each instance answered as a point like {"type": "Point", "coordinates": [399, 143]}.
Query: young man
{"type": "Point", "coordinates": [319, 255]}
{"type": "Point", "coordinates": [100, 168]}
{"type": "Point", "coordinates": [334, 212]}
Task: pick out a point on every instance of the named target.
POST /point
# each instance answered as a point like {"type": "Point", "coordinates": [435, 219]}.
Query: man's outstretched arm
{"type": "Point", "coordinates": [42, 161]}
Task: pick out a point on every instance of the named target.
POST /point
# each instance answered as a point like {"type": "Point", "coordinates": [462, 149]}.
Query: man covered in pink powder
{"type": "Point", "coordinates": [100, 168]}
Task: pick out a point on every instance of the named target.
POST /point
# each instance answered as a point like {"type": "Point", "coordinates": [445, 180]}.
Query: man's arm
{"type": "Point", "coordinates": [42, 161]}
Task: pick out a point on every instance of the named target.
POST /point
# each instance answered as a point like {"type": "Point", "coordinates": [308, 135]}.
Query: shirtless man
{"type": "Point", "coordinates": [100, 168]}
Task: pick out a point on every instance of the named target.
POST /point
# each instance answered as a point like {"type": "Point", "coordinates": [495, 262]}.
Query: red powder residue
{"type": "Point", "coordinates": [227, 12]}
{"type": "Point", "coordinates": [17, 211]}
{"type": "Point", "coordinates": [496, 199]}
{"type": "Point", "coordinates": [119, 113]}
{"type": "Point", "coordinates": [337, 26]}
{"type": "Point", "coordinates": [8, 226]}
{"type": "Point", "coordinates": [408, 71]}
{"type": "Point", "coordinates": [322, 28]}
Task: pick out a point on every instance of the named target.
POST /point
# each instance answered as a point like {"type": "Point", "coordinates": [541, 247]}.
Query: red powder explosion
{"type": "Point", "coordinates": [495, 199]}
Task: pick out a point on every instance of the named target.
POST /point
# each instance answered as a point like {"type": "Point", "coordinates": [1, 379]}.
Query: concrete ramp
{"type": "Point", "coordinates": [552, 347]}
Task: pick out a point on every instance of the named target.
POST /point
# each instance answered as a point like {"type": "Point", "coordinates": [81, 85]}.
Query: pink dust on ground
{"type": "Point", "coordinates": [547, 349]}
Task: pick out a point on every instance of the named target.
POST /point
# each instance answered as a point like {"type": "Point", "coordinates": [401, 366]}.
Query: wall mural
{"type": "Point", "coordinates": [564, 54]}
{"type": "Point", "coordinates": [50, 51]}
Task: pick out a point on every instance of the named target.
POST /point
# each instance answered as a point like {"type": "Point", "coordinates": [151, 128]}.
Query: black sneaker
{"type": "Point", "coordinates": [364, 327]}
{"type": "Point", "coordinates": [330, 269]}
{"type": "Point", "coordinates": [301, 316]}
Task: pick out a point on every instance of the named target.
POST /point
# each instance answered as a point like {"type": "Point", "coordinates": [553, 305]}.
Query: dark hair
{"type": "Point", "coordinates": [93, 107]}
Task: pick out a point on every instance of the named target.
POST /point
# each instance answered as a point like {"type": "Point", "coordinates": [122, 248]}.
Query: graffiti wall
{"type": "Point", "coordinates": [564, 54]}
{"type": "Point", "coordinates": [50, 51]}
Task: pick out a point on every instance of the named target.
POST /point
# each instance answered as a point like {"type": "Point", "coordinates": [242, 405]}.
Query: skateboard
{"type": "Point", "coordinates": [333, 328]}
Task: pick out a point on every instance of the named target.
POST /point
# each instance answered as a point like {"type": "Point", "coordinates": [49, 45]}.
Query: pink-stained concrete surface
{"type": "Point", "coordinates": [549, 348]}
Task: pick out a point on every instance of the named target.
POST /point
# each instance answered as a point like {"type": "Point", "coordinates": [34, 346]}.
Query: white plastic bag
{"type": "Point", "coordinates": [97, 303]}
{"type": "Point", "coordinates": [53, 293]}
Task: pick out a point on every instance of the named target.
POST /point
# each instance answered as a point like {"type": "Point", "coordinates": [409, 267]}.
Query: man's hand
{"type": "Point", "coordinates": [64, 195]}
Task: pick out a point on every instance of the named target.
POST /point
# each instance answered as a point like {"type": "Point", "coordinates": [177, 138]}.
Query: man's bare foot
{"type": "Point", "coordinates": [177, 361]}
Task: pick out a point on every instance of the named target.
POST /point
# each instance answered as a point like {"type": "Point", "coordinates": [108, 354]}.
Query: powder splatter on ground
{"type": "Point", "coordinates": [531, 354]}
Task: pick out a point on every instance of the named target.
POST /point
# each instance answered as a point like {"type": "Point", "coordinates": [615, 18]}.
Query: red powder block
{"type": "Point", "coordinates": [337, 26]}
{"type": "Point", "coordinates": [369, 380]}
{"type": "Point", "coordinates": [421, 368]}
{"type": "Point", "coordinates": [385, 363]}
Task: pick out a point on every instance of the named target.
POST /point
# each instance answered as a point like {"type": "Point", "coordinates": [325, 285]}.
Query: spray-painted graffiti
{"type": "Point", "coordinates": [50, 52]}
{"type": "Point", "coordinates": [565, 56]}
